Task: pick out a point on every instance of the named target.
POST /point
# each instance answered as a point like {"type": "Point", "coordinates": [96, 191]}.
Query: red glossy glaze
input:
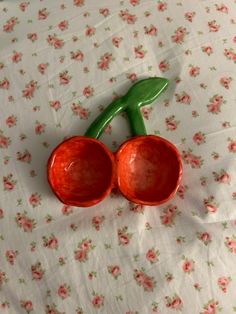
{"type": "Point", "coordinates": [147, 169]}
{"type": "Point", "coordinates": [80, 171]}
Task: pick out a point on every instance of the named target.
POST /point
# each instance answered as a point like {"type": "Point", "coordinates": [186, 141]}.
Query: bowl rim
{"type": "Point", "coordinates": [78, 203]}
{"type": "Point", "coordinates": [180, 172]}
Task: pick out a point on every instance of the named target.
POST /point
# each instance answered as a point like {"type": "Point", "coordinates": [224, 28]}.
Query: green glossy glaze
{"type": "Point", "coordinates": [140, 94]}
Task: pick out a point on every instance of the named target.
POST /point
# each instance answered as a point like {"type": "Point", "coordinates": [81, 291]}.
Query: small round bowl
{"type": "Point", "coordinates": [149, 170]}
{"type": "Point", "coordinates": [80, 171]}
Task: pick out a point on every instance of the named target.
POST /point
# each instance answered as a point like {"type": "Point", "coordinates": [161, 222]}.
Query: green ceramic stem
{"type": "Point", "coordinates": [136, 122]}
{"type": "Point", "coordinates": [100, 123]}
{"type": "Point", "coordinates": [140, 94]}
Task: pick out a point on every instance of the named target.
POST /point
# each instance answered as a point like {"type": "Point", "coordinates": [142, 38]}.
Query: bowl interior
{"type": "Point", "coordinates": [80, 171]}
{"type": "Point", "coordinates": [148, 169]}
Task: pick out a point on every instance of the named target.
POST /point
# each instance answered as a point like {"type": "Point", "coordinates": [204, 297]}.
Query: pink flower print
{"type": "Point", "coordinates": [63, 25]}
{"type": "Point", "coordinates": [81, 255]}
{"type": "Point", "coordinates": [67, 210]}
{"type": "Point", "coordinates": [39, 128]}
{"type": "Point", "coordinates": [78, 3]}
{"type": "Point", "coordinates": [174, 302]}
{"type": "Point", "coordinates": [155, 308]}
{"type": "Point", "coordinates": [222, 176]}
{"type": "Point", "coordinates": [142, 279]}
{"type": "Point", "coordinates": [207, 49]}
{"type": "Point", "coordinates": [10, 24]}
{"type": "Point", "coordinates": [139, 52]}
{"type": "Point", "coordinates": [226, 124]}
{"type": "Point", "coordinates": [215, 104]}
{"type": "Point", "coordinates": [88, 91]}
{"type": "Point", "coordinates": [79, 311]}
{"type": "Point", "coordinates": [35, 199]}
{"type": "Point", "coordinates": [77, 55]}
{"type": "Point", "coordinates": [32, 36]}
{"type": "Point", "coordinates": [230, 243]}
{"type": "Point", "coordinates": [212, 307]}
{"type": "Point", "coordinates": [50, 242]}
{"type": "Point", "coordinates": [104, 11]}
{"type": "Point", "coordinates": [85, 246]}
{"type": "Point", "coordinates": [43, 14]}
{"type": "Point", "coordinates": [55, 104]}
{"type": "Point", "coordinates": [164, 66]}
{"type": "Point", "coordinates": [8, 182]}
{"type": "Point", "coordinates": [169, 214]}
{"type": "Point", "coordinates": [146, 112]}
{"type": "Point", "coordinates": [97, 221]}
{"type": "Point", "coordinates": [42, 67]}
{"type": "Point", "coordinates": [24, 156]}
{"type": "Point", "coordinates": [30, 89]}
{"type": "Point", "coordinates": [4, 141]}
{"type": "Point", "coordinates": [23, 6]}
{"type": "Point", "coordinates": [52, 309]}
{"type": "Point", "coordinates": [182, 190]}
{"type": "Point", "coordinates": [188, 265]}
{"type": "Point", "coordinates": [27, 305]}
{"type": "Point", "coordinates": [210, 204]}
{"type": "Point", "coordinates": [213, 27]}
{"type": "Point", "coordinates": [37, 271]}
{"type": "Point", "coordinates": [134, 2]}
{"type": "Point", "coordinates": [114, 270]}
{"type": "Point", "coordinates": [222, 8]}
{"type": "Point", "coordinates": [199, 138]}
{"type": "Point", "coordinates": [3, 278]}
{"type": "Point", "coordinates": [64, 291]}
{"type": "Point", "coordinates": [1, 213]}
{"type": "Point", "coordinates": [152, 255]}
{"type": "Point", "coordinates": [205, 237]}
{"type": "Point", "coordinates": [151, 30]}
{"type": "Point", "coordinates": [123, 236]}
{"type": "Point", "coordinates": [179, 35]}
{"type": "Point", "coordinates": [116, 41]}
{"type": "Point", "coordinates": [54, 41]}
{"type": "Point", "coordinates": [64, 78]}
{"type": "Point", "coordinates": [127, 17]}
{"type": "Point", "coordinates": [189, 16]}
{"type": "Point", "coordinates": [183, 98]}
{"type": "Point", "coordinates": [136, 208]}
{"type": "Point", "coordinates": [132, 77]}
{"type": "Point", "coordinates": [194, 161]}
{"type": "Point", "coordinates": [10, 122]}
{"type": "Point", "coordinates": [169, 277]}
{"type": "Point", "coordinates": [80, 111]}
{"type": "Point", "coordinates": [24, 222]}
{"type": "Point", "coordinates": [171, 123]}
{"type": "Point", "coordinates": [232, 145]}
{"type": "Point", "coordinates": [16, 57]}
{"type": "Point", "coordinates": [11, 256]}
{"type": "Point", "coordinates": [161, 6]}
{"type": "Point", "coordinates": [4, 84]}
{"type": "Point", "coordinates": [223, 283]}
{"type": "Point", "coordinates": [90, 31]}
{"type": "Point", "coordinates": [194, 71]}
{"type": "Point", "coordinates": [108, 129]}
{"type": "Point", "coordinates": [97, 301]}
{"type": "Point", "coordinates": [225, 81]}
{"type": "Point", "coordinates": [104, 62]}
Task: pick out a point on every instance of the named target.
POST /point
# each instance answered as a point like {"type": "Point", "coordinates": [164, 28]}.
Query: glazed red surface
{"type": "Point", "coordinates": [80, 171]}
{"type": "Point", "coordinates": [147, 169]}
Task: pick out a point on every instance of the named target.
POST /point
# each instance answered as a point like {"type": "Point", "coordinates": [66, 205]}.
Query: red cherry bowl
{"type": "Point", "coordinates": [146, 169]}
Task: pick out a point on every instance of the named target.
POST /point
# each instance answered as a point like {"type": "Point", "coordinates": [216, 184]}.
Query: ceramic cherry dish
{"type": "Point", "coordinates": [147, 169]}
